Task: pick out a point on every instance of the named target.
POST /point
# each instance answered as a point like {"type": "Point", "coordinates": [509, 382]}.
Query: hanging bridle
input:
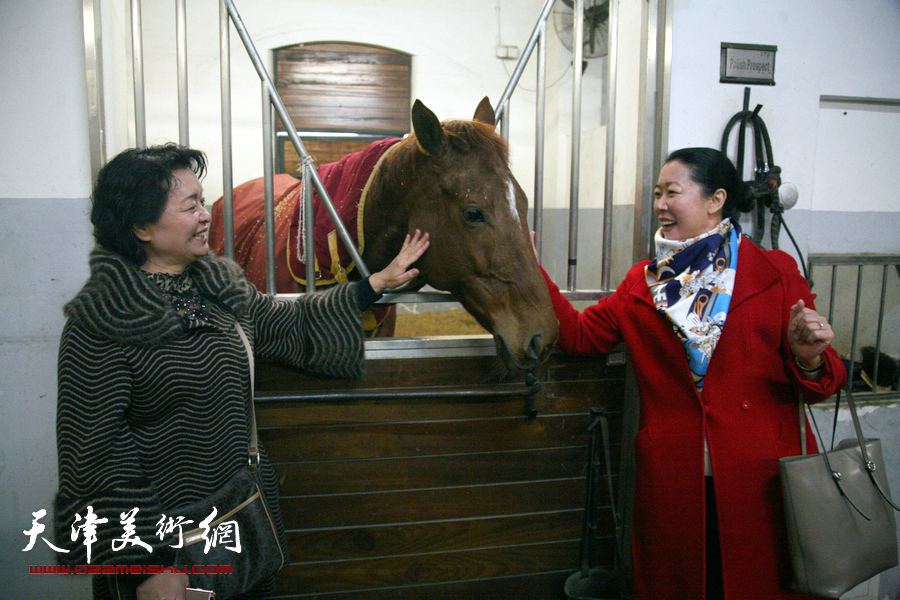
{"type": "Point", "coordinates": [767, 176]}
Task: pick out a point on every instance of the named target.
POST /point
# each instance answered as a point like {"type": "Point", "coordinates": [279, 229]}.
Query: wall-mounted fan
{"type": "Point", "coordinates": [596, 26]}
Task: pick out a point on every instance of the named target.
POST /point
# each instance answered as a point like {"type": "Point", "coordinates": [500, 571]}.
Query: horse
{"type": "Point", "coordinates": [451, 179]}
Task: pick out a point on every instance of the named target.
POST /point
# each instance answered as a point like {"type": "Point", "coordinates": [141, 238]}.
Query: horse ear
{"type": "Point", "coordinates": [485, 112]}
{"type": "Point", "coordinates": [427, 128]}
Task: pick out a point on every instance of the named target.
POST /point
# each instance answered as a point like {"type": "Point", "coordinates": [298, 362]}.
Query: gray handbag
{"type": "Point", "coordinates": [841, 526]}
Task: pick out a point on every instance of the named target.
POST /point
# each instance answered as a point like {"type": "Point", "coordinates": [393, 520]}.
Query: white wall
{"type": "Point", "coordinates": [842, 157]}
{"type": "Point", "coordinates": [40, 105]}
{"type": "Point", "coordinates": [830, 47]}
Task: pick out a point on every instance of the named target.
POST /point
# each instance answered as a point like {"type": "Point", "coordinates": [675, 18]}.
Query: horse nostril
{"type": "Point", "coordinates": [533, 350]}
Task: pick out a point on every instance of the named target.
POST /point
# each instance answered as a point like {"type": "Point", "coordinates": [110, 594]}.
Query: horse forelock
{"type": "Point", "coordinates": [464, 136]}
{"type": "Point", "coordinates": [474, 136]}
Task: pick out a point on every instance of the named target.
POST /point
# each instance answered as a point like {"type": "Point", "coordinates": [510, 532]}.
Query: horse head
{"type": "Point", "coordinates": [452, 179]}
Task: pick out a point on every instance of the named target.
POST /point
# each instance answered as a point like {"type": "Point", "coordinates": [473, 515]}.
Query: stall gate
{"type": "Point", "coordinates": [860, 294]}
{"type": "Point", "coordinates": [415, 482]}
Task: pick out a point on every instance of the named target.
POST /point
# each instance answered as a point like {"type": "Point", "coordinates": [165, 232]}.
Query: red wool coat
{"type": "Point", "coordinates": [747, 412]}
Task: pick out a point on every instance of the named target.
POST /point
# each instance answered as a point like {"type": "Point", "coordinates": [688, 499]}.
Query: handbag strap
{"type": "Point", "coordinates": [870, 465]}
{"type": "Point", "coordinates": [253, 447]}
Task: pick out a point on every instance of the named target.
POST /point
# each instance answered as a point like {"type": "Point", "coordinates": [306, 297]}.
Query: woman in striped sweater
{"type": "Point", "coordinates": [153, 379]}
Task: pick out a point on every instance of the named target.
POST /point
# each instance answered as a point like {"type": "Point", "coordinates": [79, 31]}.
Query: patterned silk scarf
{"type": "Point", "coordinates": [691, 282]}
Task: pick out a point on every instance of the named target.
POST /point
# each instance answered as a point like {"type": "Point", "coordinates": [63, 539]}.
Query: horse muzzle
{"type": "Point", "coordinates": [532, 353]}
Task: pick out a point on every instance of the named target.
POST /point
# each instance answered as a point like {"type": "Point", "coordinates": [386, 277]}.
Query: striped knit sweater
{"type": "Point", "coordinates": [152, 406]}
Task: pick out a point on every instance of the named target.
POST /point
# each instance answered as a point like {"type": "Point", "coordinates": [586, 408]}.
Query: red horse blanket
{"type": "Point", "coordinates": [346, 182]}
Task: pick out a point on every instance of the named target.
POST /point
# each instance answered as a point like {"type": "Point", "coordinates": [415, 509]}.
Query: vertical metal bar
{"type": "Point", "coordinates": [641, 242]}
{"type": "Point", "coordinates": [663, 83]}
{"type": "Point", "coordinates": [859, 270]}
{"type": "Point", "coordinates": [137, 61]}
{"type": "Point", "coordinates": [504, 122]}
{"type": "Point", "coordinates": [309, 226]}
{"type": "Point", "coordinates": [282, 112]}
{"type": "Point", "coordinates": [540, 119]}
{"type": "Point", "coordinates": [577, 60]}
{"type": "Point", "coordinates": [227, 147]}
{"type": "Point", "coordinates": [93, 73]}
{"type": "Point", "coordinates": [832, 294]}
{"type": "Point", "coordinates": [181, 52]}
{"type": "Point", "coordinates": [884, 279]}
{"type": "Point", "coordinates": [503, 103]}
{"type": "Point", "coordinates": [610, 143]}
{"type": "Point", "coordinates": [269, 188]}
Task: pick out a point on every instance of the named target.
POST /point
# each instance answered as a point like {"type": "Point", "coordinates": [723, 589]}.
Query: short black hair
{"type": "Point", "coordinates": [131, 190]}
{"type": "Point", "coordinates": [712, 170]}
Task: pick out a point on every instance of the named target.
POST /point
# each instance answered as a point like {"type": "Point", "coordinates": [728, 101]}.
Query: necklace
{"type": "Point", "coordinates": [181, 293]}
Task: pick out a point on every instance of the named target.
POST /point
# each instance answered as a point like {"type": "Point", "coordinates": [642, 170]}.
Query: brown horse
{"type": "Point", "coordinates": [451, 179]}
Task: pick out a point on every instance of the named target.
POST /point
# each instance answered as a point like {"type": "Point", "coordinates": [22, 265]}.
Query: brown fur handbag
{"type": "Point", "coordinates": [252, 550]}
{"type": "Point", "coordinates": [237, 544]}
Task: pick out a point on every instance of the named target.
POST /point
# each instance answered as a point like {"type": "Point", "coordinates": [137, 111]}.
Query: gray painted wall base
{"type": "Point", "coordinates": [45, 245]}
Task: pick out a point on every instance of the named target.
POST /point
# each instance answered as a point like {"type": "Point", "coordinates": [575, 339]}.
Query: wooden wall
{"type": "Point", "coordinates": [338, 88]}
{"type": "Point", "coordinates": [344, 87]}
{"type": "Point", "coordinates": [420, 497]}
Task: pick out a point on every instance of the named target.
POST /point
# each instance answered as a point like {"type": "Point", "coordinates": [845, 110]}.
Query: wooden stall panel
{"type": "Point", "coordinates": [449, 567]}
{"type": "Point", "coordinates": [338, 543]}
{"type": "Point", "coordinates": [435, 497]}
{"type": "Point", "coordinates": [374, 475]}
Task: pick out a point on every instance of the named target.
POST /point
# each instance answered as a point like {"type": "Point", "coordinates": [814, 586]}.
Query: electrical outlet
{"type": "Point", "coordinates": [507, 52]}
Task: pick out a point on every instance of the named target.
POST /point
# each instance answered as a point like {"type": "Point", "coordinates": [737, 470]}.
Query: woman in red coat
{"type": "Point", "coordinates": [724, 337]}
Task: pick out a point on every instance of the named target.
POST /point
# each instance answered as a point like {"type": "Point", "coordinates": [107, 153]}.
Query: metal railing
{"type": "Point", "coordinates": [272, 105]}
{"type": "Point", "coordinates": [843, 279]}
{"type": "Point", "coordinates": [272, 101]}
{"type": "Point", "coordinates": [538, 39]}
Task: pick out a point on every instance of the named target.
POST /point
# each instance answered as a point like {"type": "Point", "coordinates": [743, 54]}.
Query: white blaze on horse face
{"type": "Point", "coordinates": [511, 196]}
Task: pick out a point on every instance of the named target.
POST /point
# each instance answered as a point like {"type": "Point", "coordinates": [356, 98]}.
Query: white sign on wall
{"type": "Point", "coordinates": [747, 63]}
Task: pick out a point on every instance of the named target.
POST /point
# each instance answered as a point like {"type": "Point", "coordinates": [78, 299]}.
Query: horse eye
{"type": "Point", "coordinates": [473, 214]}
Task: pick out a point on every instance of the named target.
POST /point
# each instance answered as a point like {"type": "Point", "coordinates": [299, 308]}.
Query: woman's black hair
{"type": "Point", "coordinates": [712, 170]}
{"type": "Point", "coordinates": [132, 189]}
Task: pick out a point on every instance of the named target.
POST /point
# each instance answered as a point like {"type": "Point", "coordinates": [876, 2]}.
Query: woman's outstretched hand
{"type": "Point", "coordinates": [398, 272]}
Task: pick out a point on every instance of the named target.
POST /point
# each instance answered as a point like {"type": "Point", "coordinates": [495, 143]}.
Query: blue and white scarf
{"type": "Point", "coordinates": [691, 283]}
